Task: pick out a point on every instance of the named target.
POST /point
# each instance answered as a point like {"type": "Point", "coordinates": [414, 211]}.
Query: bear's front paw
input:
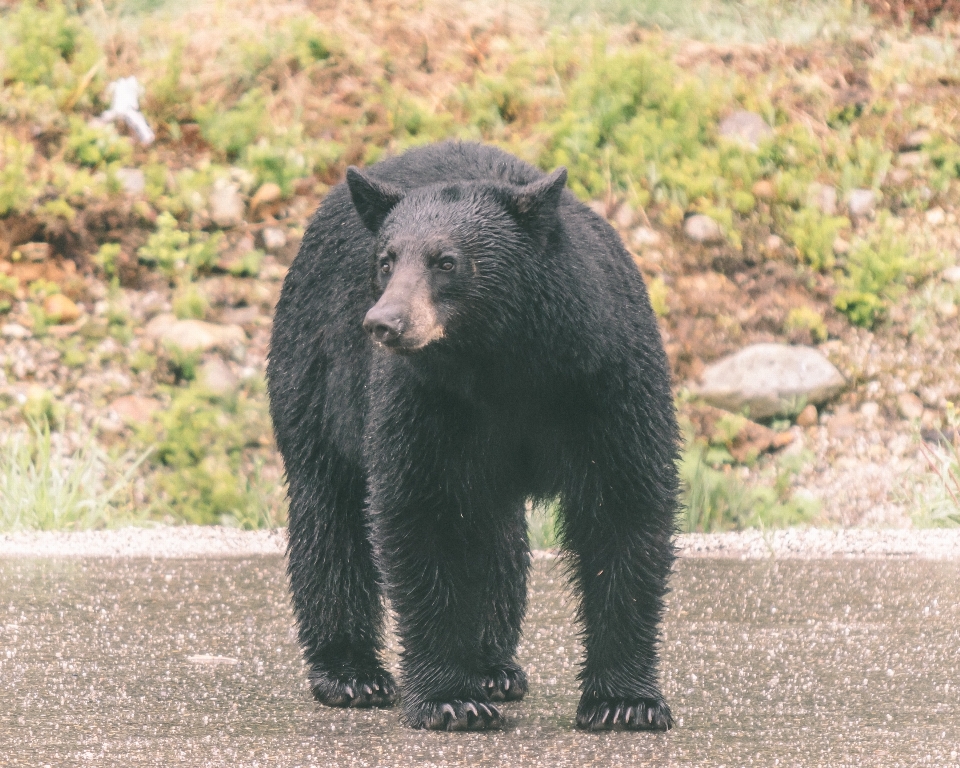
{"type": "Point", "coordinates": [457, 715]}
{"type": "Point", "coordinates": [624, 714]}
{"type": "Point", "coordinates": [505, 684]}
{"type": "Point", "coordinates": [376, 689]}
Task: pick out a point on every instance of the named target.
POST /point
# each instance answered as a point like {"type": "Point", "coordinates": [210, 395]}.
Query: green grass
{"type": "Point", "coordinates": [542, 524]}
{"type": "Point", "coordinates": [717, 499]}
{"type": "Point", "coordinates": [46, 486]}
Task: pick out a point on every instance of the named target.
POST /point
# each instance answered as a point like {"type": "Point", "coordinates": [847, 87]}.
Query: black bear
{"type": "Point", "coordinates": [458, 335]}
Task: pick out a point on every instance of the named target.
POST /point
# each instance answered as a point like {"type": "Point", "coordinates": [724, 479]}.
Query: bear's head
{"type": "Point", "coordinates": [450, 255]}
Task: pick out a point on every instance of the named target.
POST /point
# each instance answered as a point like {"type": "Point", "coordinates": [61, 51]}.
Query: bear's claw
{"type": "Point", "coordinates": [624, 714]}
{"type": "Point", "coordinates": [458, 715]}
{"type": "Point", "coordinates": [507, 684]}
{"type": "Point", "coordinates": [376, 689]}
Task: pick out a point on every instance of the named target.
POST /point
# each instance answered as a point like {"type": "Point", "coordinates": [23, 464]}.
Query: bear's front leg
{"type": "Point", "coordinates": [458, 589]}
{"type": "Point", "coordinates": [618, 525]}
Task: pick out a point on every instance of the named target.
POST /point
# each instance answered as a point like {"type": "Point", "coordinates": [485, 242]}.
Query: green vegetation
{"type": "Point", "coordinates": [714, 498]}
{"type": "Point", "coordinates": [204, 460]}
{"type": "Point", "coordinates": [47, 484]}
{"type": "Point", "coordinates": [175, 253]}
{"type": "Point", "coordinates": [542, 524]}
{"type": "Point", "coordinates": [877, 270]}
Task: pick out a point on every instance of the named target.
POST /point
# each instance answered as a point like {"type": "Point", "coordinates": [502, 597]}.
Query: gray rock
{"type": "Point", "coordinates": [768, 380]}
{"type": "Point", "coordinates": [746, 128]}
{"type": "Point", "coordinates": [226, 204]}
{"type": "Point", "coordinates": [274, 238]}
{"type": "Point", "coordinates": [193, 335]}
{"type": "Point", "coordinates": [702, 229]}
{"type": "Point", "coordinates": [862, 203]}
{"type": "Point", "coordinates": [133, 181]}
{"type": "Point", "coordinates": [216, 376]}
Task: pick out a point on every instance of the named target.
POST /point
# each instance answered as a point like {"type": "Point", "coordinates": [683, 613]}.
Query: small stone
{"type": "Point", "coordinates": [773, 244]}
{"type": "Point", "coordinates": [903, 89]}
{"type": "Point", "coordinates": [768, 380]}
{"type": "Point", "coordinates": [134, 409]}
{"type": "Point", "coordinates": [935, 217]}
{"type": "Point", "coordinates": [910, 160]}
{"type": "Point", "coordinates": [274, 238]}
{"type": "Point", "coordinates": [624, 217]}
{"type": "Point", "coordinates": [947, 310]}
{"type": "Point", "coordinates": [899, 176]}
{"type": "Point", "coordinates": [269, 192]}
{"type": "Point", "coordinates": [909, 406]}
{"type": "Point", "coordinates": [870, 410]}
{"type": "Point", "coordinates": [824, 197]}
{"type": "Point", "coordinates": [840, 246]}
{"type": "Point", "coordinates": [60, 309]}
{"type": "Point", "coordinates": [35, 252]}
{"type": "Point", "coordinates": [781, 440]}
{"type": "Point", "coordinates": [133, 180]}
{"type": "Point", "coordinates": [216, 376]}
{"type": "Point", "coordinates": [842, 425]}
{"type": "Point", "coordinates": [643, 237]}
{"type": "Point", "coordinates": [915, 140]}
{"type": "Point", "coordinates": [226, 204]}
{"type": "Point", "coordinates": [808, 416]}
{"type": "Point", "coordinates": [764, 190]}
{"type": "Point", "coordinates": [192, 335]}
{"type": "Point", "coordinates": [745, 128]}
{"type": "Point", "coordinates": [862, 203]}
{"type": "Point", "coordinates": [951, 274]}
{"type": "Point", "coordinates": [240, 315]}
{"type": "Point", "coordinates": [15, 331]}
{"type": "Point", "coordinates": [702, 229]}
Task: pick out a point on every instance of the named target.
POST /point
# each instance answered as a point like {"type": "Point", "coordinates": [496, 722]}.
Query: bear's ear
{"type": "Point", "coordinates": [540, 198]}
{"type": "Point", "coordinates": [373, 199]}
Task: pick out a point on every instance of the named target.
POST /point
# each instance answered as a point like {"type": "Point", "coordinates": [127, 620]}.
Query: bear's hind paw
{"type": "Point", "coordinates": [505, 684]}
{"type": "Point", "coordinates": [624, 714]}
{"type": "Point", "coordinates": [457, 715]}
{"type": "Point", "coordinates": [362, 690]}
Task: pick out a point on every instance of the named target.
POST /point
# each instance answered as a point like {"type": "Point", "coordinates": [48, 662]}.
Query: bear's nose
{"type": "Point", "coordinates": [383, 325]}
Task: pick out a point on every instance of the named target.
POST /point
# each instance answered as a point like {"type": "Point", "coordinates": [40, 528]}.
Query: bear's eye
{"type": "Point", "coordinates": [445, 264]}
{"type": "Point", "coordinates": [385, 266]}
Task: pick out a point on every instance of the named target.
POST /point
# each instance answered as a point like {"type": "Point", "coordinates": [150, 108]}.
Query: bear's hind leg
{"type": "Point", "coordinates": [335, 585]}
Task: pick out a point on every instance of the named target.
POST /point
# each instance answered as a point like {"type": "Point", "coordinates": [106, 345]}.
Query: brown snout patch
{"type": "Point", "coordinates": [423, 324]}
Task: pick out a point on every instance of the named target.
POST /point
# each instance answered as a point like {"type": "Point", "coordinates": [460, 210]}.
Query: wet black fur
{"type": "Point", "coordinates": [409, 472]}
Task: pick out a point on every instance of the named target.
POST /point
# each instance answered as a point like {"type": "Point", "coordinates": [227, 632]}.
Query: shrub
{"type": "Point", "coordinates": [176, 253]}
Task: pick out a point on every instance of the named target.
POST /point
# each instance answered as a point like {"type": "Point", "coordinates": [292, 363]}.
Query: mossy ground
{"type": "Point", "coordinates": [256, 96]}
